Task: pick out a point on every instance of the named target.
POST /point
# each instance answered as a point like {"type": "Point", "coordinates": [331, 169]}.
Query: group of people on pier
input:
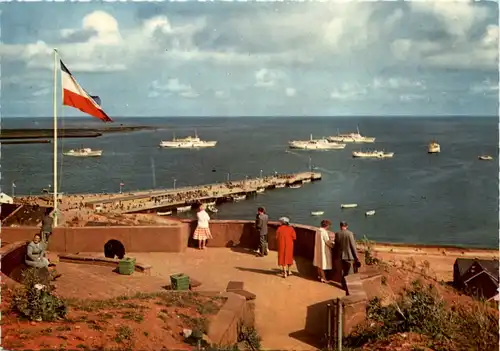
{"type": "Point", "coordinates": [333, 251]}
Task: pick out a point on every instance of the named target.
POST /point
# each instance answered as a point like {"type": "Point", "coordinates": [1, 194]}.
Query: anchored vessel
{"type": "Point", "coordinates": [83, 152]}
{"type": "Point", "coordinates": [317, 213]}
{"type": "Point", "coordinates": [433, 147]}
{"type": "Point", "coordinates": [315, 144]}
{"type": "Point", "coordinates": [187, 143]}
{"type": "Point", "coordinates": [348, 205]}
{"type": "Point", "coordinates": [351, 138]}
{"type": "Point", "coordinates": [485, 158]}
{"type": "Point", "coordinates": [372, 154]}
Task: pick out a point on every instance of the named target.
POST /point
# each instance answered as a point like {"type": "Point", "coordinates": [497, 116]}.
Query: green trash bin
{"type": "Point", "coordinates": [126, 266]}
{"type": "Point", "coordinates": [180, 281]}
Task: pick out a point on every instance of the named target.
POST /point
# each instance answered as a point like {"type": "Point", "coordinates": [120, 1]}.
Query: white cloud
{"type": "Point", "coordinates": [458, 19]}
{"type": "Point", "coordinates": [397, 83]}
{"type": "Point", "coordinates": [267, 78]}
{"type": "Point", "coordinates": [41, 92]}
{"type": "Point", "coordinates": [349, 91]}
{"type": "Point", "coordinates": [290, 92]}
{"type": "Point", "coordinates": [411, 97]}
{"type": "Point", "coordinates": [220, 94]}
{"type": "Point", "coordinates": [173, 86]}
{"type": "Point", "coordinates": [485, 87]}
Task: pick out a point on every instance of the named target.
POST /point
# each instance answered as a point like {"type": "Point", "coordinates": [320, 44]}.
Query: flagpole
{"type": "Point", "coordinates": [55, 139]}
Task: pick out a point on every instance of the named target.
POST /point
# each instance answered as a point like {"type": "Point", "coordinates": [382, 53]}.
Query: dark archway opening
{"type": "Point", "coordinates": [114, 248]}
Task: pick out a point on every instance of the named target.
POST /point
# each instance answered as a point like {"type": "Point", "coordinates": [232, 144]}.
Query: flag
{"type": "Point", "coordinates": [13, 184]}
{"type": "Point", "coordinates": [75, 96]}
{"type": "Point", "coordinates": [122, 184]}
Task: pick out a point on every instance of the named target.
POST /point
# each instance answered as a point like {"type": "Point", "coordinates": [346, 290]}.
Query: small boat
{"type": "Point", "coordinates": [260, 190]}
{"type": "Point", "coordinates": [370, 213]}
{"type": "Point", "coordinates": [212, 208]}
{"type": "Point", "coordinates": [348, 205]}
{"type": "Point", "coordinates": [238, 197]}
{"type": "Point", "coordinates": [306, 181]}
{"type": "Point", "coordinates": [433, 147]}
{"type": "Point", "coordinates": [317, 213]}
{"type": "Point", "coordinates": [372, 154]}
{"type": "Point", "coordinates": [184, 208]}
{"type": "Point", "coordinates": [168, 213]}
{"type": "Point", "coordinates": [280, 186]}
{"type": "Point", "coordinates": [211, 203]}
{"type": "Point", "coordinates": [485, 158]}
{"type": "Point", "coordinates": [83, 152]}
{"type": "Point", "coordinates": [295, 186]}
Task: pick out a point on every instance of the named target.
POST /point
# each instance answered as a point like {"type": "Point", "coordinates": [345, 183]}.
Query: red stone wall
{"type": "Point", "coordinates": [92, 239]}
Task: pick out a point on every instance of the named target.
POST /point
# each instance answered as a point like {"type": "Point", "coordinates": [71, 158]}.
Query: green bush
{"type": "Point", "coordinates": [35, 299]}
{"type": "Point", "coordinates": [420, 309]}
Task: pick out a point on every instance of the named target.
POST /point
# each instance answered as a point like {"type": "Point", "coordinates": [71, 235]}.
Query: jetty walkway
{"type": "Point", "coordinates": [171, 199]}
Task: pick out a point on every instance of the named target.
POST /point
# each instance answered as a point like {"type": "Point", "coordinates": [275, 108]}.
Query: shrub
{"type": "Point", "coordinates": [420, 309]}
{"type": "Point", "coordinates": [368, 245]}
{"type": "Point", "coordinates": [35, 299]}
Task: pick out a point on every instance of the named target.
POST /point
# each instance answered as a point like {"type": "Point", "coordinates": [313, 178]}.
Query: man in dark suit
{"type": "Point", "coordinates": [261, 226]}
{"type": "Point", "coordinates": [344, 252]}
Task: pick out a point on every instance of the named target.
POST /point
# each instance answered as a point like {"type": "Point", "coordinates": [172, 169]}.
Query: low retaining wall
{"type": "Point", "coordinates": [175, 238]}
{"type": "Point", "coordinates": [170, 238]}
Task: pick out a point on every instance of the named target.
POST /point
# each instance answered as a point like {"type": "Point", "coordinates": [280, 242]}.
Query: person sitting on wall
{"type": "Point", "coordinates": [36, 256]}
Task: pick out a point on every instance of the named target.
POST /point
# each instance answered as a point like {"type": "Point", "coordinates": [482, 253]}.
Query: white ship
{"type": "Point", "coordinates": [351, 138]}
{"type": "Point", "coordinates": [372, 154]}
{"type": "Point", "coordinates": [83, 152]}
{"type": "Point", "coordinates": [315, 144]}
{"type": "Point", "coordinates": [433, 147]}
{"type": "Point", "coordinates": [187, 143]}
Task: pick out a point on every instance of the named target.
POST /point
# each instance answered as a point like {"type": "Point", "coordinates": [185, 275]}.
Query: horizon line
{"type": "Point", "coordinates": [252, 116]}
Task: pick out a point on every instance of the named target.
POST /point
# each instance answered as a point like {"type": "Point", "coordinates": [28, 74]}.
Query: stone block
{"type": "Point", "coordinates": [234, 285]}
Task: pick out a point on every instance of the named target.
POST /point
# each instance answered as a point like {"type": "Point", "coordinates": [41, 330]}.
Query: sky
{"type": "Point", "coordinates": [223, 58]}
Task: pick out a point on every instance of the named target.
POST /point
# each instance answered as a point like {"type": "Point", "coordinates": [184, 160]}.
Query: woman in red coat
{"type": "Point", "coordinates": [285, 236]}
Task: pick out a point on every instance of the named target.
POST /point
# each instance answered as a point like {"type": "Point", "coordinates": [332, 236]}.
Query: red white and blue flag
{"type": "Point", "coordinates": [75, 96]}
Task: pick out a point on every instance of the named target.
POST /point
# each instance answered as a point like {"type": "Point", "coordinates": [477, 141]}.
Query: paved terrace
{"type": "Point", "coordinates": [282, 305]}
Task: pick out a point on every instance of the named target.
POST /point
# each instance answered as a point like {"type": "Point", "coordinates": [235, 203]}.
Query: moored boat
{"type": "Point", "coordinates": [280, 186]}
{"type": "Point", "coordinates": [187, 143]}
{"type": "Point", "coordinates": [212, 208]}
{"type": "Point", "coordinates": [485, 158]}
{"type": "Point", "coordinates": [168, 213]}
{"type": "Point", "coordinates": [315, 144]}
{"type": "Point", "coordinates": [83, 152]}
{"type": "Point", "coordinates": [317, 213]}
{"type": "Point", "coordinates": [372, 154]}
{"type": "Point", "coordinates": [184, 208]}
{"type": "Point", "coordinates": [295, 186]}
{"type": "Point", "coordinates": [260, 190]}
{"type": "Point", "coordinates": [238, 197]}
{"type": "Point", "coordinates": [348, 205]}
{"type": "Point", "coordinates": [433, 147]}
{"type": "Point", "coordinates": [305, 181]}
{"type": "Point", "coordinates": [370, 213]}
{"type": "Point", "coordinates": [351, 138]}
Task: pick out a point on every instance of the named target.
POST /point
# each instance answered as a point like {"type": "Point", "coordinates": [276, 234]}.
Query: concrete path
{"type": "Point", "coordinates": [281, 304]}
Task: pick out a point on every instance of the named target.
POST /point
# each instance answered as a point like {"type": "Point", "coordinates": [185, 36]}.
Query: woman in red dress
{"type": "Point", "coordinates": [285, 236]}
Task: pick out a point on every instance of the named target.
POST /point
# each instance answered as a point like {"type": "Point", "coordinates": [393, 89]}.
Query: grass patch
{"type": "Point", "coordinates": [123, 334]}
{"type": "Point", "coordinates": [420, 309]}
{"type": "Point", "coordinates": [198, 325]}
{"type": "Point", "coordinates": [133, 316]}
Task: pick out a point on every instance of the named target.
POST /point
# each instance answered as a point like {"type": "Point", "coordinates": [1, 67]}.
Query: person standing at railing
{"type": "Point", "coordinates": [202, 231]}
{"type": "Point", "coordinates": [261, 227]}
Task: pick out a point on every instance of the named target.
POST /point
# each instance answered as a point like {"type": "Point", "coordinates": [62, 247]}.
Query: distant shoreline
{"type": "Point", "coordinates": [28, 133]}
